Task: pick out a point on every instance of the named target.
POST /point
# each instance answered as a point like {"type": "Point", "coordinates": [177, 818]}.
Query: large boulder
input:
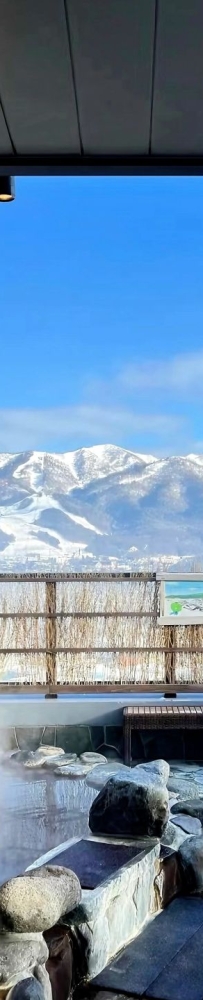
{"type": "Point", "coordinates": [129, 809]}
{"type": "Point", "coordinates": [190, 807]}
{"type": "Point", "coordinates": [156, 772]}
{"type": "Point", "coordinates": [190, 856]}
{"type": "Point", "coordinates": [36, 901]}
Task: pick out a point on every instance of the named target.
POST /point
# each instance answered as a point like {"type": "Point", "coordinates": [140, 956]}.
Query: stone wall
{"type": "Point", "coordinates": [77, 739]}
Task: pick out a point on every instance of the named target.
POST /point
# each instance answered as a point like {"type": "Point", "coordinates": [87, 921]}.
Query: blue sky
{"type": "Point", "coordinates": [183, 588]}
{"type": "Point", "coordinates": [101, 314]}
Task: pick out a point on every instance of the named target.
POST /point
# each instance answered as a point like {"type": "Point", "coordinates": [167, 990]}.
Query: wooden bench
{"type": "Point", "coordinates": [159, 717]}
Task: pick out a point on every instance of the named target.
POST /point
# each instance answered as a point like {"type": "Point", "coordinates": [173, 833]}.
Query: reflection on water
{"type": "Point", "coordinates": [38, 812]}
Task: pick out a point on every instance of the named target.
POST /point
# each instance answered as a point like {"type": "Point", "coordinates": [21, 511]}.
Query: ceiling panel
{"type": "Point", "coordinates": [178, 91]}
{"type": "Point", "coordinates": [112, 45]}
{"type": "Point", "coordinates": [36, 84]}
{"type": "Point", "coordinates": [5, 142]}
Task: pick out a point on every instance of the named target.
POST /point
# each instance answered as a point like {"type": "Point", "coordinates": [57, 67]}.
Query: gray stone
{"type": "Point", "coordinates": [129, 809]}
{"type": "Point", "coordinates": [37, 900]}
{"type": "Point", "coordinates": [101, 774]}
{"type": "Point", "coordinates": [157, 770]}
{"type": "Point", "coordinates": [28, 738]}
{"type": "Point", "coordinates": [49, 751]}
{"type": "Point", "coordinates": [26, 989]}
{"type": "Point", "coordinates": [184, 789]}
{"type": "Point", "coordinates": [36, 758]}
{"type": "Point", "coordinates": [74, 739]}
{"type": "Point", "coordinates": [188, 823]}
{"type": "Point", "coordinates": [173, 836]}
{"type": "Point", "coordinates": [49, 736]}
{"type": "Point", "coordinates": [35, 987]}
{"type": "Point", "coordinates": [40, 756]}
{"type": "Point", "coordinates": [8, 739]}
{"type": "Point", "coordinates": [73, 770]}
{"type": "Point", "coordinates": [191, 865]}
{"type": "Point", "coordinates": [19, 952]}
{"type": "Point", "coordinates": [199, 774]}
{"type": "Point", "coordinates": [154, 772]}
{"type": "Point", "coordinates": [173, 801]}
{"type": "Point", "coordinates": [113, 913]}
{"type": "Point", "coordinates": [42, 976]}
{"type": "Point", "coordinates": [91, 758]}
{"type": "Point", "coordinates": [22, 756]}
{"type": "Point", "coordinates": [191, 807]}
{"type": "Point", "coordinates": [64, 760]}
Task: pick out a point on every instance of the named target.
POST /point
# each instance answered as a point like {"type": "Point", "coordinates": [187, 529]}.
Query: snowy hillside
{"type": "Point", "coordinates": [100, 507]}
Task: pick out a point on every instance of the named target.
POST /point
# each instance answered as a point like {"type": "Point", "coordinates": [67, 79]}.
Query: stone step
{"type": "Point", "coordinates": [164, 958]}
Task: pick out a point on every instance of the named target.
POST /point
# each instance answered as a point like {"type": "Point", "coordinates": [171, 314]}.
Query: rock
{"type": "Point", "coordinates": [124, 808]}
{"type": "Point", "coordinates": [36, 758]}
{"type": "Point", "coordinates": [167, 881]}
{"type": "Point", "coordinates": [39, 757]}
{"type": "Point", "coordinates": [192, 807]}
{"type": "Point", "coordinates": [36, 901]}
{"type": "Point", "coordinates": [156, 770]}
{"type": "Point", "coordinates": [92, 758]}
{"type": "Point", "coordinates": [47, 751]}
{"type": "Point", "coordinates": [19, 952]}
{"type": "Point", "coordinates": [21, 756]}
{"type": "Point", "coordinates": [35, 987]}
{"type": "Point", "coordinates": [111, 916]}
{"type": "Point", "coordinates": [173, 801]}
{"type": "Point", "coordinates": [173, 836]}
{"type": "Point", "coordinates": [42, 976]}
{"type": "Point", "coordinates": [185, 789]}
{"type": "Point", "coordinates": [101, 774]}
{"type": "Point", "coordinates": [190, 856]}
{"type": "Point", "coordinates": [61, 962]}
{"type": "Point", "coordinates": [61, 761]}
{"type": "Point", "coordinates": [73, 770]}
{"type": "Point", "coordinates": [26, 989]}
{"type": "Point", "coordinates": [190, 824]}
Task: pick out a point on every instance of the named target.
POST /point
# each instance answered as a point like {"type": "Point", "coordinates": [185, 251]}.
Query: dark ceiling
{"type": "Point", "coordinates": [89, 82]}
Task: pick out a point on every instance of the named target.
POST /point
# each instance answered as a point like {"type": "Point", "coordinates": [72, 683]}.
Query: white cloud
{"type": "Point", "coordinates": [179, 374]}
{"type": "Point", "coordinates": [23, 429]}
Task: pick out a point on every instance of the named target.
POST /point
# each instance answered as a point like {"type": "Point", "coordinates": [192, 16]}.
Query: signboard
{"type": "Point", "coordinates": [181, 599]}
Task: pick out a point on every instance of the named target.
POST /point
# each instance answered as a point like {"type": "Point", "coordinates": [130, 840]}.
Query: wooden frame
{"type": "Point", "coordinates": [177, 619]}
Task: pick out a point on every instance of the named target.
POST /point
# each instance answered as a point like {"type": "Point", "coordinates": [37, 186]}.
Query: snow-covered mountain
{"type": "Point", "coordinates": [100, 507]}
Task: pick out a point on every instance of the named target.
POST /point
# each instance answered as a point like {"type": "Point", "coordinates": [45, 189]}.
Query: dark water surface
{"type": "Point", "coordinates": [38, 812]}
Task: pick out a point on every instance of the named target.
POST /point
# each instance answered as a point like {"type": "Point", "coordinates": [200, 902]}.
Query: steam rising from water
{"type": "Point", "coordinates": [38, 812]}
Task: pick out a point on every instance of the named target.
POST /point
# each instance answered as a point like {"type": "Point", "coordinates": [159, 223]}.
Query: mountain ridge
{"type": "Point", "coordinates": [100, 507]}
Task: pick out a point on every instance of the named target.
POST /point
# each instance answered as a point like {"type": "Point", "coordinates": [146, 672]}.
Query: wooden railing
{"type": "Point", "coordinates": [92, 629]}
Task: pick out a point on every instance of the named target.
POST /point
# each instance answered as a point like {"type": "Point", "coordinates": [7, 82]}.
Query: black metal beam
{"type": "Point", "coordinates": [57, 165]}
